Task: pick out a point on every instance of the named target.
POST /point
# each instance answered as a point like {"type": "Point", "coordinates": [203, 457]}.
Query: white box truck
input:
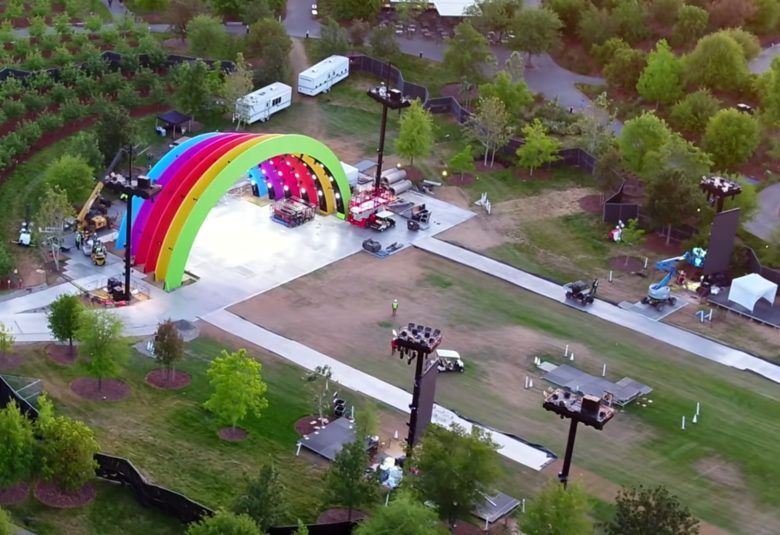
{"type": "Point", "coordinates": [261, 104]}
{"type": "Point", "coordinates": [324, 75]}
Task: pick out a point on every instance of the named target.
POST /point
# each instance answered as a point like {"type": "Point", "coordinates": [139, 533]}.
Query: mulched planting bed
{"type": "Point", "coordinates": [629, 264]}
{"type": "Point", "coordinates": [61, 354]}
{"type": "Point", "coordinates": [51, 494]}
{"type": "Point", "coordinates": [339, 514]}
{"type": "Point", "coordinates": [111, 389]}
{"type": "Point", "coordinates": [158, 378]}
{"type": "Point", "coordinates": [591, 204]}
{"type": "Point", "coordinates": [14, 494]}
{"type": "Point", "coordinates": [305, 425]}
{"type": "Point", "coordinates": [10, 362]}
{"type": "Point", "coordinates": [232, 434]}
{"type": "Point", "coordinates": [457, 180]}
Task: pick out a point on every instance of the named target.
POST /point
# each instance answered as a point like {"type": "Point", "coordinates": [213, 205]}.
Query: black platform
{"type": "Point", "coordinates": [763, 312]}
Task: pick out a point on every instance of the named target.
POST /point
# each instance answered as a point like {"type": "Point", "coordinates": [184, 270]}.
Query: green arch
{"type": "Point", "coordinates": [225, 179]}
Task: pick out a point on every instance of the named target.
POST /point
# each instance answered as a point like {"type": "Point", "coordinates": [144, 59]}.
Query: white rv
{"type": "Point", "coordinates": [261, 104]}
{"type": "Point", "coordinates": [322, 76]}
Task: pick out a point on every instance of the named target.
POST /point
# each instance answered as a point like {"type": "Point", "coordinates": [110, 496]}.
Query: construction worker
{"type": "Point", "coordinates": [79, 238]}
{"type": "Point", "coordinates": [395, 306]}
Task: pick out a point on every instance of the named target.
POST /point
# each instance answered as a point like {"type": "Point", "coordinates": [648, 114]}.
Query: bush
{"type": "Point", "coordinates": [128, 98]}
{"type": "Point", "coordinates": [49, 42]}
{"type": "Point", "coordinates": [109, 36]}
{"type": "Point", "coordinates": [717, 62]}
{"type": "Point", "coordinates": [604, 52]}
{"type": "Point", "coordinates": [14, 108]}
{"type": "Point", "coordinates": [749, 43]}
{"type": "Point", "coordinates": [34, 101]}
{"type": "Point", "coordinates": [61, 56]}
{"type": "Point", "coordinates": [73, 110]}
{"type": "Point", "coordinates": [691, 24]}
{"type": "Point", "coordinates": [93, 23]}
{"type": "Point", "coordinates": [625, 68]}
{"type": "Point", "coordinates": [693, 112]}
{"type": "Point", "coordinates": [29, 132]}
{"type": "Point", "coordinates": [34, 61]}
{"type": "Point", "coordinates": [51, 121]}
{"type": "Point", "coordinates": [22, 47]}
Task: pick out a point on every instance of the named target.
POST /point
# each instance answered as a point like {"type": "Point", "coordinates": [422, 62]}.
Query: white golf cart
{"type": "Point", "coordinates": [449, 361]}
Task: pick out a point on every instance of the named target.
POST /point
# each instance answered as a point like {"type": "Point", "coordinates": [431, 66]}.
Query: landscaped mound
{"type": "Point", "coordinates": [159, 378]}
{"type": "Point", "coordinates": [232, 434]}
{"type": "Point", "coordinates": [49, 493]}
{"type": "Point", "coordinates": [14, 494]}
{"type": "Point", "coordinates": [110, 390]}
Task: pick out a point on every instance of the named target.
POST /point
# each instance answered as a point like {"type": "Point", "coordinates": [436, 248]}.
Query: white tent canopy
{"type": "Point", "coordinates": [747, 290]}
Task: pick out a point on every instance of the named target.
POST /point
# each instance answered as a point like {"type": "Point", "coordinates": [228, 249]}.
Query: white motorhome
{"type": "Point", "coordinates": [261, 104]}
{"type": "Point", "coordinates": [324, 75]}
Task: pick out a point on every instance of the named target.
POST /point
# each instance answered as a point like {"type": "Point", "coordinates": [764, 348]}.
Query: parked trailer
{"type": "Point", "coordinates": [324, 75]}
{"type": "Point", "coordinates": [261, 104]}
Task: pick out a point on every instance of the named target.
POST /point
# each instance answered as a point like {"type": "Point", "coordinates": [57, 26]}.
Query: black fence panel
{"type": "Point", "coordinates": [8, 394]}
{"type": "Point", "coordinates": [755, 266]}
{"type": "Point", "coordinates": [336, 528]}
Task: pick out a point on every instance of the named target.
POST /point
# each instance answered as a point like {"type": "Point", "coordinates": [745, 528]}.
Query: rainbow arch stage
{"type": "Point", "coordinates": [197, 173]}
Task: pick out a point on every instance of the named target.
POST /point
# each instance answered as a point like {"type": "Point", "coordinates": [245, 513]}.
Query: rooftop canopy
{"type": "Point", "coordinates": [174, 118]}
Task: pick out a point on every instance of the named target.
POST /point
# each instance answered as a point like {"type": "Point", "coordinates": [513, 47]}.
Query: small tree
{"type": "Point", "coordinates": [54, 211]}
{"type": "Point", "coordinates": [7, 340]}
{"type": "Point", "coordinates": [85, 146]}
{"type": "Point", "coordinates": [515, 95]}
{"type": "Point", "coordinates": [457, 485]}
{"type": "Point", "coordinates": [114, 130]}
{"type": "Point", "coordinates": [404, 515]}
{"type": "Point", "coordinates": [462, 162]}
{"type": "Point", "coordinates": [6, 528]}
{"type": "Point", "coordinates": [318, 384]}
{"type": "Point", "coordinates": [536, 31]}
{"type": "Point", "coordinates": [64, 318]}
{"type": "Point", "coordinates": [367, 420]}
{"type": "Point", "coordinates": [672, 197]}
{"type": "Point", "coordinates": [558, 511]}
{"type": "Point", "coordinates": [717, 62]}
{"type": "Point", "coordinates": [238, 387]}
{"type": "Point", "coordinates": [334, 39]}
{"type": "Point", "coordinates": [691, 25]}
{"type": "Point", "coordinates": [538, 148]}
{"type": "Point", "coordinates": [641, 135]}
{"type": "Point", "coordinates": [17, 446]}
{"type": "Point", "coordinates": [192, 87]}
{"type": "Point", "coordinates": [168, 347]}
{"type": "Point", "coordinates": [383, 42]}
{"type": "Point", "coordinates": [100, 334]}
{"type": "Point", "coordinates": [263, 499]}
{"type": "Point", "coordinates": [654, 510]}
{"type": "Point", "coordinates": [67, 452]}
{"type": "Point", "coordinates": [593, 127]}
{"type": "Point", "coordinates": [224, 523]}
{"type": "Point", "coordinates": [661, 81]}
{"type": "Point", "coordinates": [731, 138]}
{"type": "Point", "coordinates": [415, 133]}
{"type": "Point", "coordinates": [206, 35]}
{"type": "Point", "coordinates": [358, 31]}
{"type": "Point", "coordinates": [346, 481]}
{"type": "Point", "coordinates": [730, 13]}
{"type": "Point", "coordinates": [625, 68]}
{"type": "Point", "coordinates": [490, 126]}
{"type": "Point", "coordinates": [72, 175]}
{"type": "Point", "coordinates": [467, 52]}
{"type": "Point", "coordinates": [770, 101]}
{"type": "Point", "coordinates": [355, 9]}
{"type": "Point", "coordinates": [302, 529]}
{"type": "Point", "coordinates": [632, 233]}
{"type": "Point", "coordinates": [181, 12]}
{"type": "Point", "coordinates": [694, 111]}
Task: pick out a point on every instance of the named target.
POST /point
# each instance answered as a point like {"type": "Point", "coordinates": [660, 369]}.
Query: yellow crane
{"type": "Point", "coordinates": [88, 225]}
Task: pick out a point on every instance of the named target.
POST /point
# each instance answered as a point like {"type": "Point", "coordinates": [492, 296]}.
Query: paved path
{"type": "Point", "coordinates": [768, 216]}
{"type": "Point", "coordinates": [308, 358]}
{"type": "Point", "coordinates": [668, 334]}
{"type": "Point", "coordinates": [764, 60]}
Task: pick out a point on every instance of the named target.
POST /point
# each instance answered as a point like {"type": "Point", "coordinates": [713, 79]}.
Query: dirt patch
{"type": "Point", "coordinates": [110, 389]}
{"type": "Point", "coordinates": [339, 514]}
{"type": "Point", "coordinates": [232, 434]}
{"type": "Point", "coordinates": [14, 494]}
{"type": "Point", "coordinates": [656, 243]}
{"type": "Point", "coordinates": [592, 203]}
{"type": "Point", "coordinates": [461, 180]}
{"type": "Point", "coordinates": [482, 168]}
{"type": "Point", "coordinates": [721, 472]}
{"type": "Point", "coordinates": [49, 493]}
{"type": "Point", "coordinates": [627, 264]}
{"type": "Point", "coordinates": [159, 378]}
{"type": "Point", "coordinates": [61, 354]}
{"type": "Point", "coordinates": [10, 362]}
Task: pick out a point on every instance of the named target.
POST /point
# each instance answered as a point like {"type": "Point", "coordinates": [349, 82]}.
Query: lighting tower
{"type": "Point", "coordinates": [390, 99]}
{"type": "Point", "coordinates": [719, 188]}
{"type": "Point", "coordinates": [141, 187]}
{"type": "Point", "coordinates": [589, 410]}
{"type": "Point", "coordinates": [416, 342]}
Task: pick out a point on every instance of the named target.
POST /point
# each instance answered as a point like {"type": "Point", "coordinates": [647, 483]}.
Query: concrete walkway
{"type": "Point", "coordinates": [351, 378]}
{"type": "Point", "coordinates": [663, 332]}
{"type": "Point", "coordinates": [767, 217]}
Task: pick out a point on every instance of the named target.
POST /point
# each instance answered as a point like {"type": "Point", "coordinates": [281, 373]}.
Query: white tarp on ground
{"type": "Point", "coordinates": [747, 290]}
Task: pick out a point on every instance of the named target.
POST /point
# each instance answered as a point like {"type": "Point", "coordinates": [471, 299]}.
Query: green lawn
{"type": "Point", "coordinates": [172, 440]}
{"type": "Point", "coordinates": [503, 185]}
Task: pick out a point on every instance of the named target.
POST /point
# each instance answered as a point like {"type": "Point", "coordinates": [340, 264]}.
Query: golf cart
{"type": "Point", "coordinates": [582, 291]}
{"type": "Point", "coordinates": [449, 361]}
{"type": "Point", "coordinates": [381, 221]}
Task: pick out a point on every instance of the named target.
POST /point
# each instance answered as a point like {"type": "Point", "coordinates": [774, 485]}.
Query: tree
{"type": "Point", "coordinates": [641, 135]}
{"type": "Point", "coordinates": [206, 35]}
{"type": "Point", "coordinates": [730, 13]}
{"type": "Point", "coordinates": [490, 126]}
{"type": "Point", "coordinates": [625, 68]}
{"type": "Point", "coordinates": [17, 447]}
{"type": "Point", "coordinates": [72, 175]}
{"type": "Point", "coordinates": [115, 129]}
{"type": "Point", "coordinates": [538, 148]}
{"type": "Point", "coordinates": [238, 387]}
{"type": "Point", "coordinates": [749, 43]}
{"type": "Point", "coordinates": [515, 66]}
{"type": "Point", "coordinates": [264, 35]}
{"type": "Point", "coordinates": [766, 16]}
{"type": "Point", "coordinates": [694, 111]}
{"type": "Point", "coordinates": [690, 26]}
{"type": "Point", "coordinates": [569, 11]}
{"type": "Point", "coordinates": [100, 334]}
{"type": "Point", "coordinates": [367, 421]}
{"type": "Point", "coordinates": [747, 201]}
{"type": "Point", "coordinates": [536, 31]}
{"type": "Point", "coordinates": [67, 452]}
{"type": "Point", "coordinates": [462, 162]}
{"type": "Point", "coordinates": [717, 62]}
{"type": "Point", "coordinates": [224, 523]}
{"type": "Point", "coordinates": [346, 481]}
{"type": "Point", "coordinates": [593, 126]}
{"type": "Point", "coordinates": [604, 52]}
{"type": "Point", "coordinates": [672, 197]}
{"type": "Point", "coordinates": [661, 81]}
{"type": "Point", "coordinates": [556, 510]}
{"type": "Point", "coordinates": [457, 469]}
{"type": "Point", "coordinates": [632, 233]}
{"type": "Point", "coordinates": [355, 9]}
{"type": "Point", "coordinates": [676, 153]}
{"type": "Point", "coordinates": [494, 15]}
{"type": "Point", "coordinates": [731, 138]}
{"type": "Point", "coordinates": [515, 95]}
{"type": "Point", "coordinates": [7, 340]}
{"type": "Point", "coordinates": [596, 26]}
{"type": "Point", "coordinates": [628, 18]}
{"type": "Point", "coordinates": [404, 515]}
{"type": "Point", "coordinates": [358, 31]}
{"type": "Point", "coordinates": [641, 510]}
{"type": "Point", "coordinates": [466, 53]}
{"type": "Point", "coordinates": [263, 499]}
{"type": "Point", "coordinates": [255, 10]}
{"type": "Point", "coordinates": [665, 11]}
{"type": "Point", "coordinates": [236, 83]}
{"type": "Point", "coordinates": [65, 318]}
{"type": "Point", "coordinates": [227, 7]}
{"type": "Point", "coordinates": [168, 346]}
{"type": "Point", "coordinates": [383, 42]}
{"type": "Point", "coordinates": [53, 213]}
{"type": "Point", "coordinates": [415, 133]}
{"type": "Point", "coordinates": [770, 100]}
{"type": "Point", "coordinates": [85, 146]}
{"type": "Point", "coordinates": [192, 88]}
{"type": "Point", "coordinates": [181, 12]}
{"type": "Point", "coordinates": [318, 383]}
{"type": "Point", "coordinates": [334, 39]}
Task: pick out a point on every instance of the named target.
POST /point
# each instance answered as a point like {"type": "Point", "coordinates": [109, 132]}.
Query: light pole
{"type": "Point", "coordinates": [589, 410]}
